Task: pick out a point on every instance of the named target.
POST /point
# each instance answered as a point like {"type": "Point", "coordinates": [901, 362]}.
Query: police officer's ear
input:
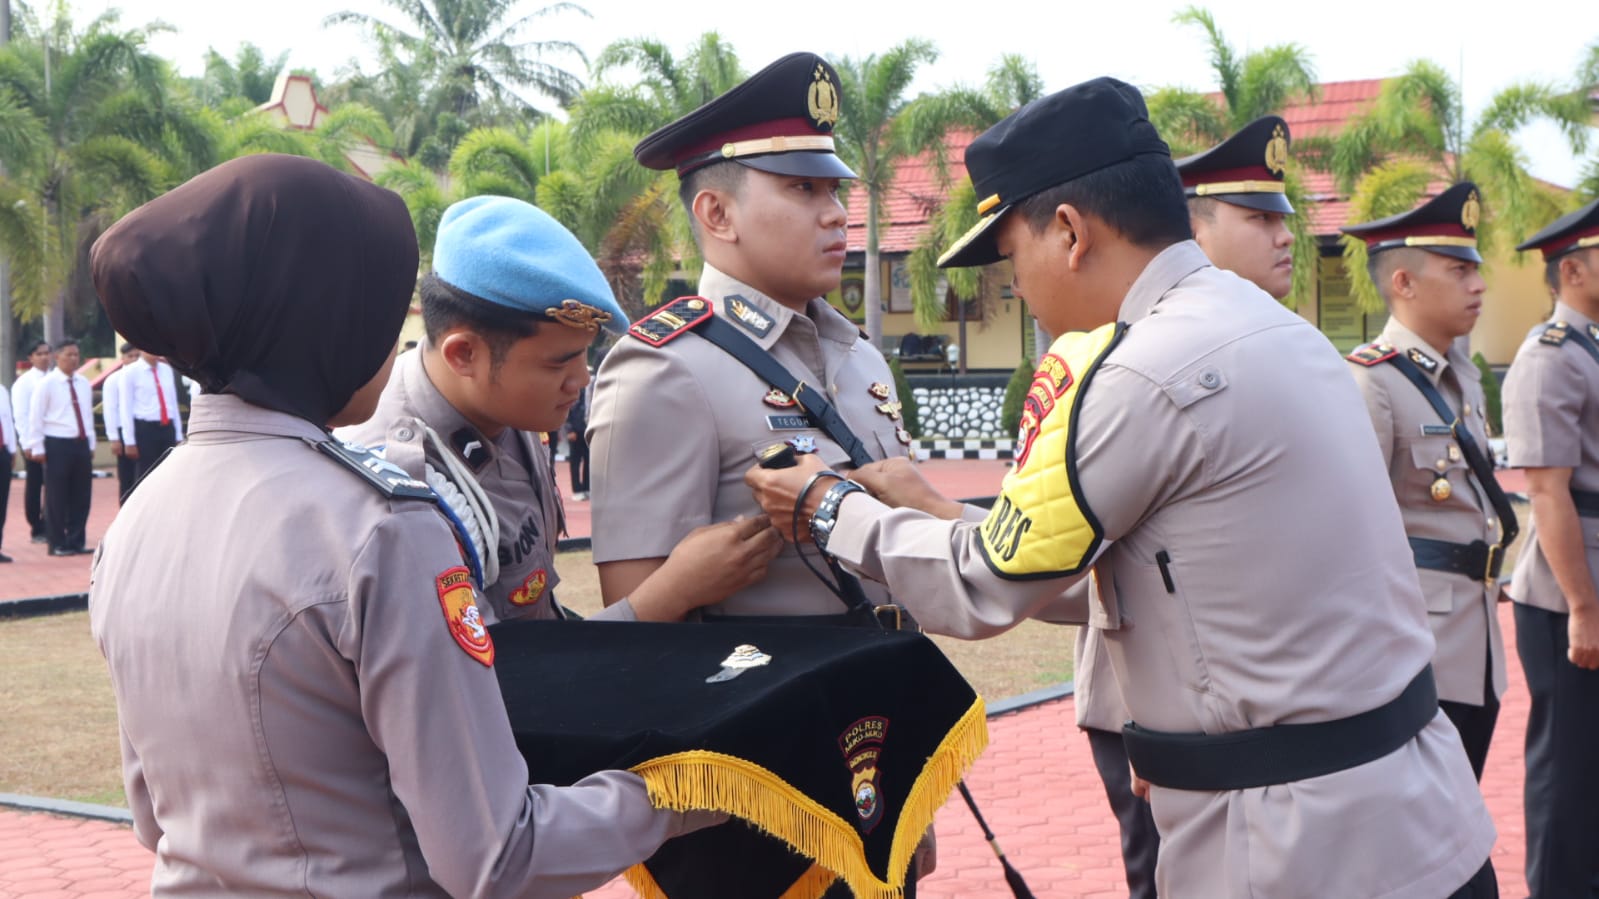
{"type": "Point", "coordinates": [1076, 233]}
{"type": "Point", "coordinates": [713, 214]}
{"type": "Point", "coordinates": [465, 353]}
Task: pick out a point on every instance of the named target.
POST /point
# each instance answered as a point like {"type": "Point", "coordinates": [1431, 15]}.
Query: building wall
{"type": "Point", "coordinates": [997, 344]}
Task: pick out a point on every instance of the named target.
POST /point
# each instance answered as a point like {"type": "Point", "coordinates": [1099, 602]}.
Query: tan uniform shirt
{"type": "Point", "coordinates": [1418, 450]}
{"type": "Point", "coordinates": [524, 498]}
{"type": "Point", "coordinates": [674, 428]}
{"type": "Point", "coordinates": [1226, 431]}
{"type": "Point", "coordinates": [297, 717]}
{"type": "Point", "coordinates": [1551, 405]}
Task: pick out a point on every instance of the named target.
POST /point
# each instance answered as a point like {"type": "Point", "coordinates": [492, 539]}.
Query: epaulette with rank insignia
{"type": "Point", "coordinates": [1371, 354]}
{"type": "Point", "coordinates": [1555, 334]}
{"type": "Point", "coordinates": [671, 320]}
{"type": "Point", "coordinates": [389, 479]}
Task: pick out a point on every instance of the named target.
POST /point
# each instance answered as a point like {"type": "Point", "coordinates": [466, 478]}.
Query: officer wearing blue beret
{"type": "Point", "coordinates": [510, 309]}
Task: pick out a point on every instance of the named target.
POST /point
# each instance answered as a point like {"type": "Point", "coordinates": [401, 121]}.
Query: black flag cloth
{"type": "Point", "coordinates": [832, 748]}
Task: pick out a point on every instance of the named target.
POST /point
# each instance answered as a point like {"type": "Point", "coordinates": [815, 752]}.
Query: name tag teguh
{"type": "Point", "coordinates": [831, 748]}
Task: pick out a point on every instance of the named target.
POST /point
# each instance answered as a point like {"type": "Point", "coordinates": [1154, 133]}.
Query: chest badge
{"type": "Point", "coordinates": [879, 391]}
{"type": "Point", "coordinates": [1441, 489]}
{"type": "Point", "coordinates": [803, 444]}
{"type": "Point", "coordinates": [777, 399]}
{"type": "Point", "coordinates": [891, 409]}
{"type": "Point", "coordinates": [532, 589]}
{"type": "Point", "coordinates": [744, 657]}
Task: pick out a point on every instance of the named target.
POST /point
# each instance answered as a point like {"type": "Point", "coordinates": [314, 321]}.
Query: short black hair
{"type": "Point", "coordinates": [1380, 267]}
{"type": "Point", "coordinates": [445, 306]}
{"type": "Point", "coordinates": [726, 175]}
{"type": "Point", "coordinates": [125, 349]}
{"type": "Point", "coordinates": [38, 345]}
{"type": "Point", "coordinates": [1551, 274]}
{"type": "Point", "coordinates": [1202, 208]}
{"type": "Point", "coordinates": [63, 343]}
{"type": "Point", "coordinates": [1142, 198]}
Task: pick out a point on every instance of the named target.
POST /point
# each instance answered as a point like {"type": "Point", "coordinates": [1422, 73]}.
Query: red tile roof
{"type": "Point", "coordinates": [909, 202]}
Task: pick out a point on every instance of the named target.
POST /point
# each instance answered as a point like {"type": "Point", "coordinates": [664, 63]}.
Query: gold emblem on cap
{"type": "Point", "coordinates": [574, 314]}
{"type": "Point", "coordinates": [1471, 212]}
{"type": "Point", "coordinates": [1277, 151]}
{"type": "Point", "coordinates": [1441, 490]}
{"type": "Point", "coordinates": [822, 100]}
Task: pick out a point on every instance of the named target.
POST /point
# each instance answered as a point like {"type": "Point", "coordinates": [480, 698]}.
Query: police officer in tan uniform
{"type": "Point", "coordinates": [304, 683]}
{"type": "Point", "coordinates": [1419, 381]}
{"type": "Point", "coordinates": [1200, 454]}
{"type": "Point", "coordinates": [676, 419]}
{"type": "Point", "coordinates": [1238, 210]}
{"type": "Point", "coordinates": [1551, 410]}
{"type": "Point", "coordinates": [511, 307]}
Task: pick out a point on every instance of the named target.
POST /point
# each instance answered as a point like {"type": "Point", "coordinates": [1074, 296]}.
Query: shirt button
{"type": "Point", "coordinates": [404, 434]}
{"type": "Point", "coordinates": [1210, 380]}
{"type": "Point", "coordinates": [1441, 464]}
{"type": "Point", "coordinates": [1468, 408]}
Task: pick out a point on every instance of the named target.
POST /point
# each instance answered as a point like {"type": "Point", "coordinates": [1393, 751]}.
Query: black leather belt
{"type": "Point", "coordinates": [1587, 503]}
{"type": "Point", "coordinates": [1286, 753]}
{"type": "Point", "coordinates": [1476, 560]}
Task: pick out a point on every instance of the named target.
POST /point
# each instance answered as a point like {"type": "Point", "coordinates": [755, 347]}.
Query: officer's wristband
{"type": "Point", "coordinates": [827, 513]}
{"type": "Point", "coordinates": [799, 501]}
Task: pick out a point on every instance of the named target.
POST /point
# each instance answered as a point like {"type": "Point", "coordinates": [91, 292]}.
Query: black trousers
{"type": "Point", "coordinates": [67, 475]}
{"type": "Point", "coordinates": [577, 459]}
{"type": "Point", "coordinates": [127, 474]}
{"type": "Point", "coordinates": [154, 439]}
{"type": "Point", "coordinates": [1482, 885]}
{"type": "Point", "coordinates": [1561, 796]}
{"type": "Point", "coordinates": [1140, 839]}
{"type": "Point", "coordinates": [1476, 722]}
{"type": "Point", "coordinates": [5, 490]}
{"type": "Point", "coordinates": [33, 497]}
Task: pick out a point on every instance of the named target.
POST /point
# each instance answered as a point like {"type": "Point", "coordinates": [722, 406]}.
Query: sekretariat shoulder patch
{"type": "Point", "coordinates": [459, 601]}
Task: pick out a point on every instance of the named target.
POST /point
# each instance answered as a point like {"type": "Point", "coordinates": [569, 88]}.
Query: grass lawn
{"type": "Point", "coordinates": [59, 732]}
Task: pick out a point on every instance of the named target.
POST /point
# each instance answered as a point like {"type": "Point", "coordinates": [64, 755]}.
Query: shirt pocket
{"type": "Point", "coordinates": [1429, 458]}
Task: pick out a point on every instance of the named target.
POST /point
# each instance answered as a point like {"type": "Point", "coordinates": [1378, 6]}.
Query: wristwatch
{"type": "Point", "coordinates": [827, 513]}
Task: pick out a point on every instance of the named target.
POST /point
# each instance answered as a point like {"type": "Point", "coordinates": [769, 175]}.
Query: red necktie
{"type": "Point", "coordinates": [160, 397]}
{"type": "Point", "coordinates": [76, 412]}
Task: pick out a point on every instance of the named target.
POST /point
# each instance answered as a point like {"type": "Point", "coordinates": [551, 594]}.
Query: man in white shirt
{"type": "Point", "coordinates": [111, 403]}
{"type": "Point", "coordinates": [61, 435]}
{"type": "Point", "coordinates": [8, 448]}
{"type": "Point", "coordinates": [21, 395]}
{"type": "Point", "coordinates": [150, 422]}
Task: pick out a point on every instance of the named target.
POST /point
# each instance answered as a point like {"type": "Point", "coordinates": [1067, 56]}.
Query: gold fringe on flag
{"type": "Point", "coordinates": [700, 780]}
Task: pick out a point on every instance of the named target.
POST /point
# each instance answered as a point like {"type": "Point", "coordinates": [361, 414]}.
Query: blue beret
{"type": "Point", "coordinates": [515, 255]}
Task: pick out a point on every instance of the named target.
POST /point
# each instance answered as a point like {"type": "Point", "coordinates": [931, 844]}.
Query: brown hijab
{"type": "Point", "coordinates": [275, 278]}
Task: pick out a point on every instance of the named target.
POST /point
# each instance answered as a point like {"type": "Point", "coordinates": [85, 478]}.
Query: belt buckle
{"type": "Point", "coordinates": [1495, 552]}
{"type": "Point", "coordinates": [890, 615]}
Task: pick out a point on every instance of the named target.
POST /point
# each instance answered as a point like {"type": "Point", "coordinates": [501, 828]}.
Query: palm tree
{"type": "Point", "coordinates": [474, 54]}
{"type": "Point", "coordinates": [1416, 133]}
{"type": "Point", "coordinates": [1588, 86]}
{"type": "Point", "coordinates": [1252, 85]}
{"type": "Point", "coordinates": [878, 126]}
{"type": "Point", "coordinates": [241, 83]}
{"type": "Point", "coordinates": [90, 126]}
{"type": "Point", "coordinates": [1011, 83]}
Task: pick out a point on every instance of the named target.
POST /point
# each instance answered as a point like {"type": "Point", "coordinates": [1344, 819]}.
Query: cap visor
{"type": "Point", "coordinates": [1265, 202]}
{"type": "Point", "coordinates": [976, 246]}
{"type": "Point", "coordinates": [1469, 254]}
{"type": "Point", "coordinates": [802, 164]}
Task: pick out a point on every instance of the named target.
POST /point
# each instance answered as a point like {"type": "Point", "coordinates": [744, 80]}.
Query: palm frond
{"type": "Point", "coordinates": [493, 160]}
{"type": "Point", "coordinates": [1389, 189]}
{"type": "Point", "coordinates": [1187, 120]}
{"type": "Point", "coordinates": [1223, 59]}
{"type": "Point", "coordinates": [1270, 79]}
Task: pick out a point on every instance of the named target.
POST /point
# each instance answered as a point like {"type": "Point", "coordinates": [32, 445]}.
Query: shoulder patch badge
{"type": "Point", "coordinates": [671, 320]}
{"type": "Point", "coordinates": [1371, 354]}
{"type": "Point", "coordinates": [1425, 362]}
{"type": "Point", "coordinates": [391, 480]}
{"type": "Point", "coordinates": [532, 589]}
{"type": "Point", "coordinates": [461, 614]}
{"type": "Point", "coordinates": [747, 316]}
{"type": "Point", "coordinates": [1555, 334]}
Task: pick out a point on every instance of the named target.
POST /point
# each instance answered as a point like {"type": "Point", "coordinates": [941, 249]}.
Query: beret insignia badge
{"type": "Point", "coordinates": [574, 314]}
{"type": "Point", "coordinates": [822, 99]}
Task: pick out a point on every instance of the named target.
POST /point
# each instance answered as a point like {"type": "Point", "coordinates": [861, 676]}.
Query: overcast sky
{"type": "Point", "coordinates": [1130, 39]}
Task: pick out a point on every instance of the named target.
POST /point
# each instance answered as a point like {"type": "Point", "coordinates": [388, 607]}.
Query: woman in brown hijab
{"type": "Point", "coordinates": [303, 683]}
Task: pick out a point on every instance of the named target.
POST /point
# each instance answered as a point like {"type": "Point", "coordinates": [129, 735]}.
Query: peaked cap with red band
{"type": "Point", "coordinates": [1244, 170]}
{"type": "Point", "coordinates": [1571, 232]}
{"type": "Point", "coordinates": [1446, 225]}
{"type": "Point", "coordinates": [779, 120]}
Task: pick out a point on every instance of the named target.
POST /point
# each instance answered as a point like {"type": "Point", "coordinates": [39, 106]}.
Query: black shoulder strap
{"type": "Point", "coordinates": [1576, 335]}
{"type": "Point", "coordinates": [812, 402]}
{"type": "Point", "coordinates": [1481, 467]}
